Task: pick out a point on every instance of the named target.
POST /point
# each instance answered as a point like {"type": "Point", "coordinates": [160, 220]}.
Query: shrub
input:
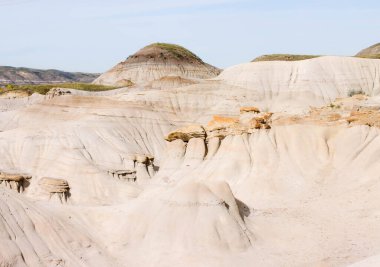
{"type": "Point", "coordinates": [356, 92]}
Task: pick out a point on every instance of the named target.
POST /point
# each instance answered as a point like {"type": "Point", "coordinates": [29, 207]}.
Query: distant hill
{"type": "Point", "coordinates": [156, 61]}
{"type": "Point", "coordinates": [283, 57]}
{"type": "Point", "coordinates": [12, 75]}
{"type": "Point", "coordinates": [370, 52]}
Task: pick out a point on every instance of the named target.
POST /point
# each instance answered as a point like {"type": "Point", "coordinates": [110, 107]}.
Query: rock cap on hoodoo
{"type": "Point", "coordinates": [187, 132]}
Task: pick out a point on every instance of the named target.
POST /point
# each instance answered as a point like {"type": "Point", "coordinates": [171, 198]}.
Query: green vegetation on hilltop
{"type": "Point", "coordinates": [283, 57]}
{"type": "Point", "coordinates": [177, 50]}
{"type": "Point", "coordinates": [44, 88]}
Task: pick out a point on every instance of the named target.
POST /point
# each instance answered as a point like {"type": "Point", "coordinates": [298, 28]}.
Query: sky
{"type": "Point", "coordinates": [93, 36]}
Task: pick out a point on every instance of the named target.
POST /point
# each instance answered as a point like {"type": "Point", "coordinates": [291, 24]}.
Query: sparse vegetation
{"type": "Point", "coordinates": [177, 50]}
{"type": "Point", "coordinates": [356, 92]}
{"type": "Point", "coordinates": [377, 56]}
{"type": "Point", "coordinates": [334, 106]}
{"type": "Point", "coordinates": [283, 57]}
{"type": "Point", "coordinates": [44, 88]}
{"type": "Point", "coordinates": [372, 52]}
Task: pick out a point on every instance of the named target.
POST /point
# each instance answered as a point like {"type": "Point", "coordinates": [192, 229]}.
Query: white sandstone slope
{"type": "Point", "coordinates": [32, 235]}
{"type": "Point", "coordinates": [201, 175]}
{"type": "Point", "coordinates": [313, 81]}
{"type": "Point", "coordinates": [155, 62]}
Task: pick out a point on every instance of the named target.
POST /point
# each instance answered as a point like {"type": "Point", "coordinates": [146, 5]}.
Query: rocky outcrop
{"type": "Point", "coordinates": [140, 168]}
{"type": "Point", "coordinates": [254, 118]}
{"type": "Point", "coordinates": [124, 175]}
{"type": "Point", "coordinates": [186, 133]}
{"type": "Point", "coordinates": [190, 146]}
{"type": "Point", "coordinates": [57, 92]}
{"type": "Point", "coordinates": [370, 52]}
{"type": "Point", "coordinates": [249, 110]}
{"type": "Point", "coordinates": [14, 181]}
{"type": "Point", "coordinates": [369, 116]}
{"type": "Point", "coordinates": [250, 119]}
{"type": "Point", "coordinates": [58, 189]}
{"type": "Point", "coordinates": [156, 61]}
{"type": "Point", "coordinates": [355, 110]}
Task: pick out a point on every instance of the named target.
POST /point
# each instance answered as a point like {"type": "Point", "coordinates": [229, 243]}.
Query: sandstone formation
{"type": "Point", "coordinates": [141, 168]}
{"type": "Point", "coordinates": [55, 188]}
{"type": "Point", "coordinates": [13, 181]}
{"type": "Point", "coordinates": [267, 164]}
{"type": "Point", "coordinates": [57, 92]}
{"type": "Point", "coordinates": [157, 64]}
{"type": "Point", "coordinates": [300, 84]}
{"type": "Point", "coordinates": [187, 132]}
{"type": "Point", "coordinates": [167, 82]}
{"type": "Point", "coordinates": [32, 235]}
{"type": "Point", "coordinates": [192, 200]}
{"type": "Point", "coordinates": [355, 110]}
{"type": "Point", "coordinates": [127, 175]}
{"type": "Point", "coordinates": [371, 52]}
{"type": "Point", "coordinates": [251, 119]}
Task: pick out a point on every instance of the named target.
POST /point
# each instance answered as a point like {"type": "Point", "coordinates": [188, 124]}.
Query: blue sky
{"type": "Point", "coordinates": [92, 36]}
